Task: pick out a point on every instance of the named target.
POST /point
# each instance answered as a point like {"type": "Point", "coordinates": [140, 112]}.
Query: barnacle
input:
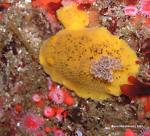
{"type": "Point", "coordinates": [67, 57]}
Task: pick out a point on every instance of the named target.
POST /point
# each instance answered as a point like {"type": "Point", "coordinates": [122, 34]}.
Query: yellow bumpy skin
{"type": "Point", "coordinates": [67, 57]}
{"type": "Point", "coordinates": [72, 18]}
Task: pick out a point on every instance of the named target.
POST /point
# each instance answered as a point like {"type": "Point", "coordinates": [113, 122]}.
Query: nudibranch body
{"type": "Point", "coordinates": [90, 61]}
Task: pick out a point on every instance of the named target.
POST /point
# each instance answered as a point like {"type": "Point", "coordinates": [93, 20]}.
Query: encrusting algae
{"type": "Point", "coordinates": [69, 57]}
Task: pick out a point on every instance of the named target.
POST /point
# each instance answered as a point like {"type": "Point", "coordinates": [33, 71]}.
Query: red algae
{"type": "Point", "coordinates": [43, 3]}
{"type": "Point", "coordinates": [49, 5]}
{"type": "Point", "coordinates": [136, 88]}
{"type": "Point", "coordinates": [52, 7]}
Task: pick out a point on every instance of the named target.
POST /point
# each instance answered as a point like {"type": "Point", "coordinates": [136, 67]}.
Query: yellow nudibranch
{"type": "Point", "coordinates": [71, 55]}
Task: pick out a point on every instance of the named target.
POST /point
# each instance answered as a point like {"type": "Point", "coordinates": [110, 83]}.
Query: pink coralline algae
{"type": "Point", "coordinates": [31, 123]}
{"type": "Point", "coordinates": [130, 10]}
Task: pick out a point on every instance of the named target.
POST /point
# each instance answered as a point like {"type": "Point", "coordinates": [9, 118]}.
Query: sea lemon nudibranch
{"type": "Point", "coordinates": [90, 61]}
{"type": "Point", "coordinates": [73, 18]}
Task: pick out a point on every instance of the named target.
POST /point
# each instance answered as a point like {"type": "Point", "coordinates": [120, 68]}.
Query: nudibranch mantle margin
{"type": "Point", "coordinates": [67, 56]}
